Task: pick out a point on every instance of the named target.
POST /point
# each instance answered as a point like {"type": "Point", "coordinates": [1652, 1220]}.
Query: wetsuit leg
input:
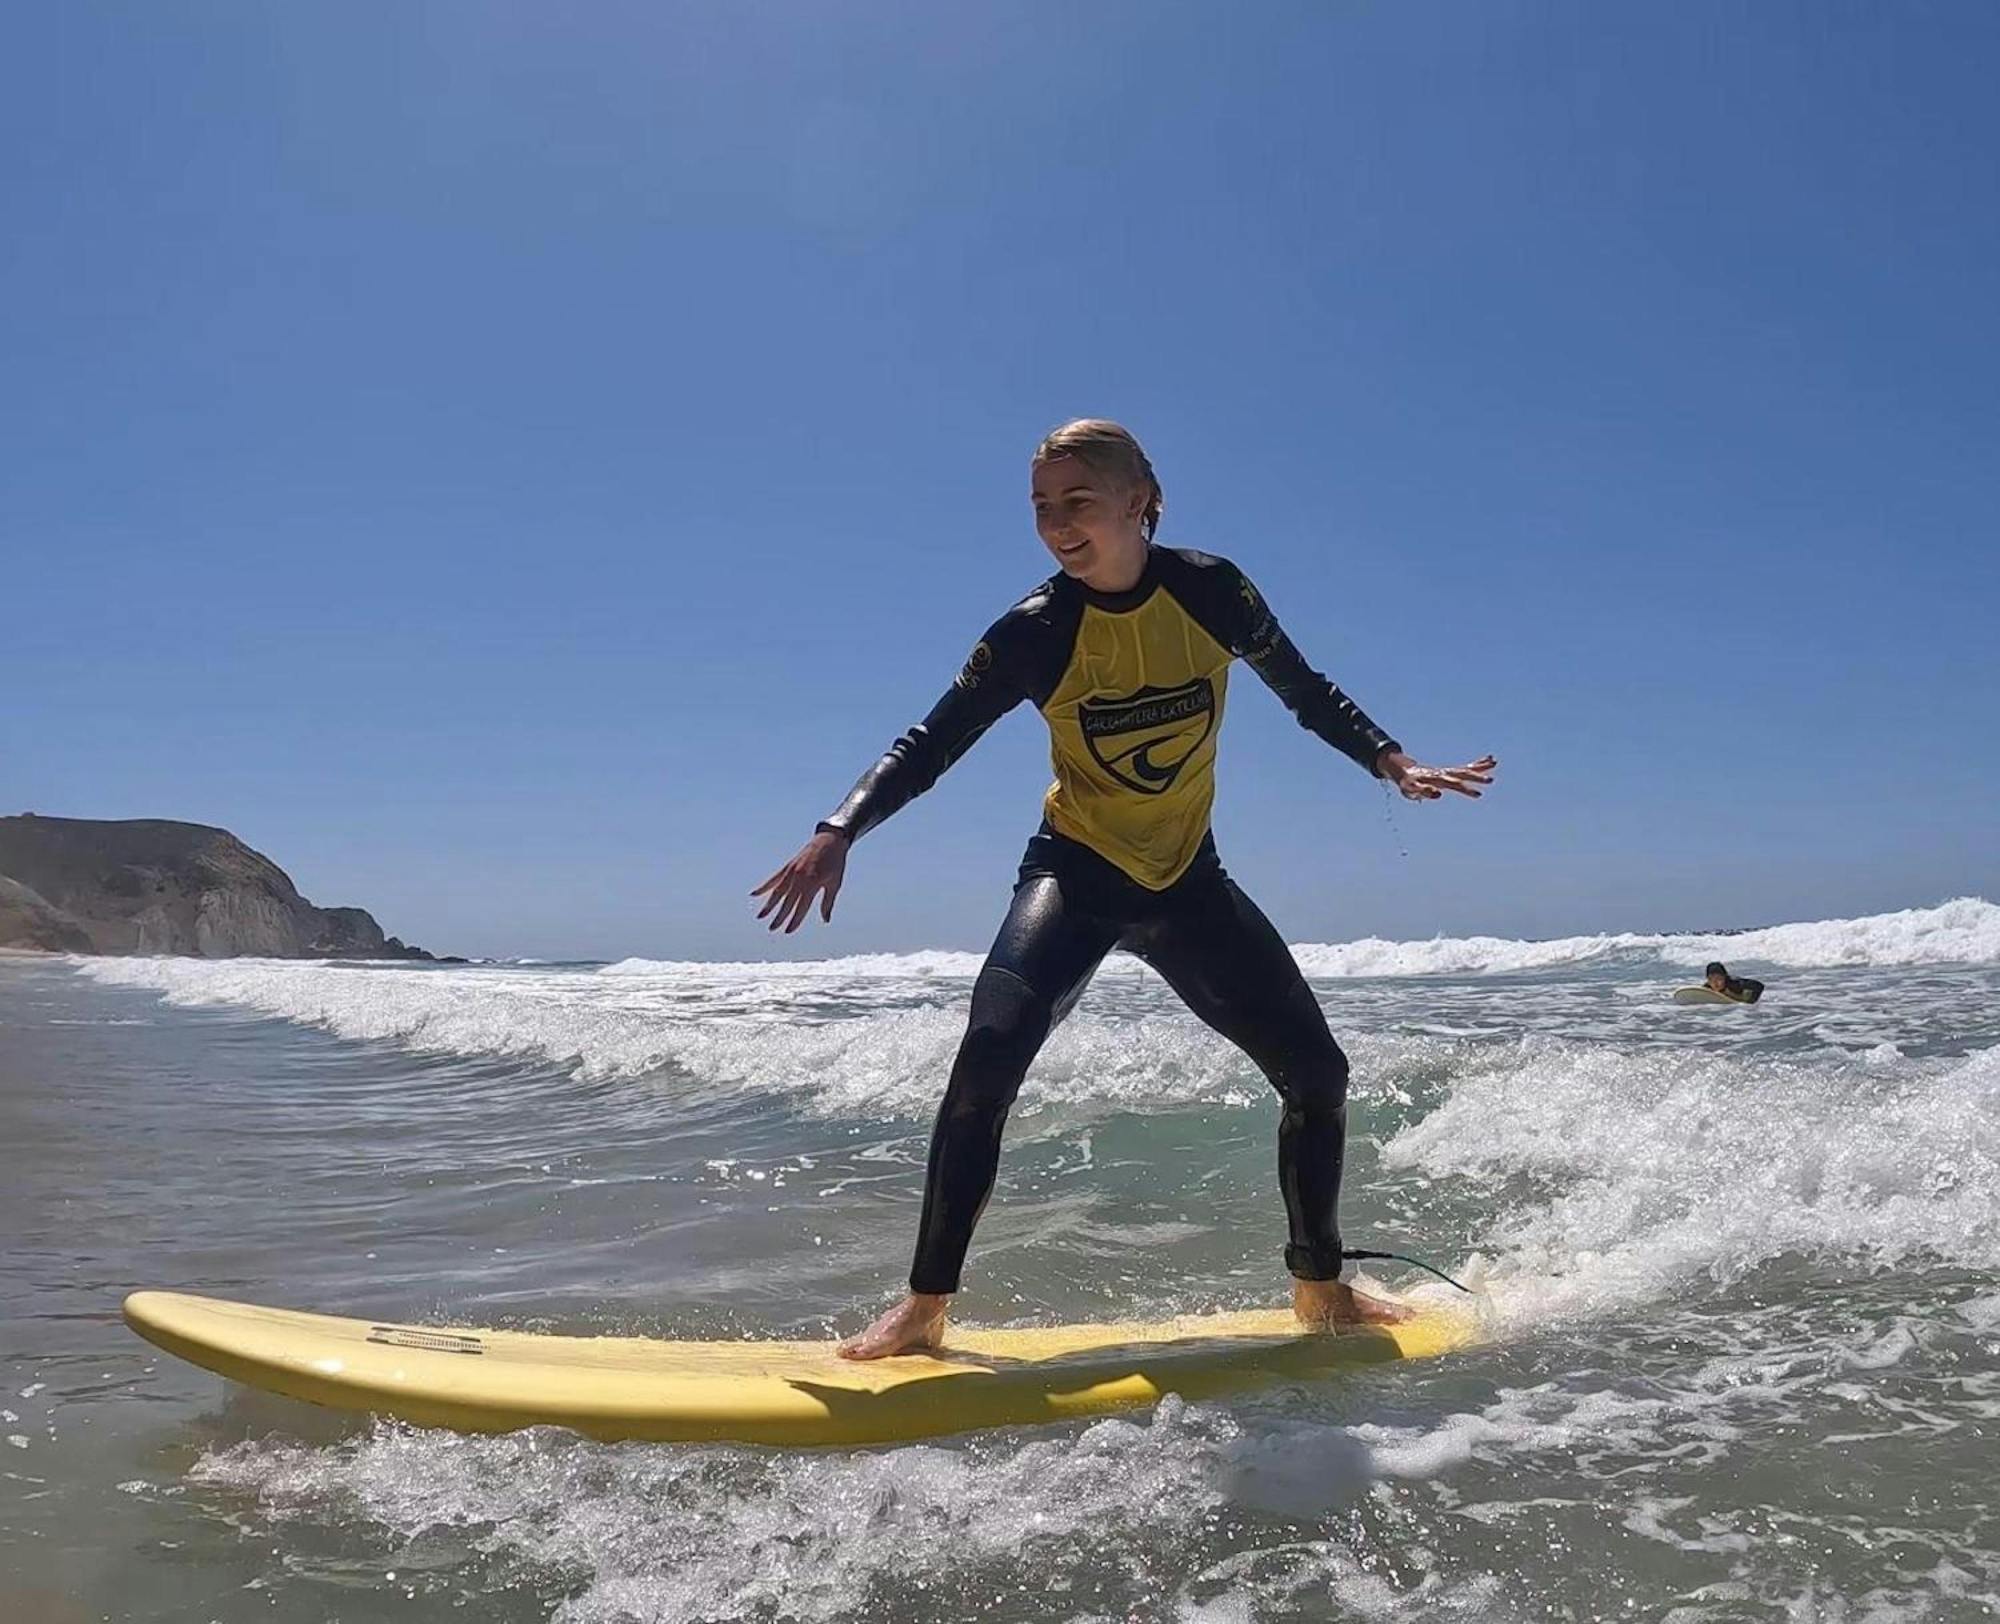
{"type": "Point", "coordinates": [1231, 967]}
{"type": "Point", "coordinates": [1039, 964]}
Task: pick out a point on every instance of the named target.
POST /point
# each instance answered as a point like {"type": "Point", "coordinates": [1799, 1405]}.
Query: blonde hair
{"type": "Point", "coordinates": [1107, 448]}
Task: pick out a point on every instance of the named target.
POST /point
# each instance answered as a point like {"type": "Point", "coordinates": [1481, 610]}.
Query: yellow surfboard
{"type": "Point", "coordinates": [758, 1392]}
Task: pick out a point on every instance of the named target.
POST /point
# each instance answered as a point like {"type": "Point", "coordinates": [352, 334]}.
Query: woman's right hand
{"type": "Point", "coordinates": [818, 868]}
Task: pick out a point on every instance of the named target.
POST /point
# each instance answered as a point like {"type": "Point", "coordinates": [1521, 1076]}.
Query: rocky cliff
{"type": "Point", "coordinates": [147, 885]}
{"type": "Point", "coordinates": [27, 920]}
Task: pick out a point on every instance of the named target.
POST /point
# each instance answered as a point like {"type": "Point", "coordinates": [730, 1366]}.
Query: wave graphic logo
{"type": "Point", "coordinates": [1144, 739]}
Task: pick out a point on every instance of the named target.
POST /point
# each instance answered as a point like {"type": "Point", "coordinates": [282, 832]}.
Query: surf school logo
{"type": "Point", "coordinates": [976, 666]}
{"type": "Point", "coordinates": [1144, 739]}
{"type": "Point", "coordinates": [1263, 630]}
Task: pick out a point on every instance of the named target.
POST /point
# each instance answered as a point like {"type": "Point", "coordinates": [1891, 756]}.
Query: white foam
{"type": "Point", "coordinates": [875, 1035]}
{"type": "Point", "coordinates": [1981, 1313]}
{"type": "Point", "coordinates": [635, 1015]}
{"type": "Point", "coordinates": [1540, 1420]}
{"type": "Point", "coordinates": [856, 967]}
{"type": "Point", "coordinates": [1964, 931]}
{"type": "Point", "coordinates": [1455, 955]}
{"type": "Point", "coordinates": [1145, 1516]}
{"type": "Point", "coordinates": [751, 1035]}
{"type": "Point", "coordinates": [1649, 1170]}
{"type": "Point", "coordinates": [693, 1532]}
{"type": "Point", "coordinates": [1135, 1515]}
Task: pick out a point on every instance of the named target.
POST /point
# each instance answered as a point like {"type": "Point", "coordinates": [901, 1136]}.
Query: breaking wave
{"type": "Point", "coordinates": [1617, 1179]}
{"type": "Point", "coordinates": [1964, 931]}
{"type": "Point", "coordinates": [874, 1034]}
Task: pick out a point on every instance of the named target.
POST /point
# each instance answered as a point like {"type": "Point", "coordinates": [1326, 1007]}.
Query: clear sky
{"type": "Point", "coordinates": [515, 464]}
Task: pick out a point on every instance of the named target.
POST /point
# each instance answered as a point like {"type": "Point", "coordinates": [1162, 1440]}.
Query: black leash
{"type": "Point", "coordinates": [1414, 1262]}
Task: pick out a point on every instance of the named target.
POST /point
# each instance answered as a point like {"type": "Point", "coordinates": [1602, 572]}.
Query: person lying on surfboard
{"type": "Point", "coordinates": [1742, 989]}
{"type": "Point", "coordinates": [1126, 652]}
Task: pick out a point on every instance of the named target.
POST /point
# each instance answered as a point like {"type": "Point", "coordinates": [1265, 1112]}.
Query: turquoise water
{"type": "Point", "coordinates": [1740, 1268]}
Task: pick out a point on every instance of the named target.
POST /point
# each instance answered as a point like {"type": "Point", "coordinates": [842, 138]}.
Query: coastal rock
{"type": "Point", "coordinates": [150, 885]}
{"type": "Point", "coordinates": [28, 920]}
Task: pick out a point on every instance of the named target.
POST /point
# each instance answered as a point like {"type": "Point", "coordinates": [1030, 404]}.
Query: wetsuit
{"type": "Point", "coordinates": [1743, 989]}
{"type": "Point", "coordinates": [1132, 686]}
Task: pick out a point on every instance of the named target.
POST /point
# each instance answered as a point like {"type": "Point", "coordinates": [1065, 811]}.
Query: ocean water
{"type": "Point", "coordinates": [1739, 1267]}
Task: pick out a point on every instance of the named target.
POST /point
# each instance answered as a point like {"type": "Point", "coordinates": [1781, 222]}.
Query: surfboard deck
{"type": "Point", "coordinates": [1702, 995]}
{"type": "Point", "coordinates": [787, 1393]}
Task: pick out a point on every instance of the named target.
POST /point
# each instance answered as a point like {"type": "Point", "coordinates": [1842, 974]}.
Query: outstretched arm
{"type": "Point", "coordinates": [984, 691]}
{"type": "Point", "coordinates": [1320, 706]}
{"type": "Point", "coordinates": [1252, 632]}
{"type": "Point", "coordinates": [979, 696]}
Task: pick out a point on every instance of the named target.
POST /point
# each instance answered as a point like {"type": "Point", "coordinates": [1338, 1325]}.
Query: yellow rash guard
{"type": "Point", "coordinates": [1132, 686]}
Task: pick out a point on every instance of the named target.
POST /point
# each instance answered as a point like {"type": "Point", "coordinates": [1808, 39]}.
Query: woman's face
{"type": "Point", "coordinates": [1090, 523]}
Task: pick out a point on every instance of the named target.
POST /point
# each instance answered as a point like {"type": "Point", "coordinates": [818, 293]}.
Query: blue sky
{"type": "Point", "coordinates": [515, 465]}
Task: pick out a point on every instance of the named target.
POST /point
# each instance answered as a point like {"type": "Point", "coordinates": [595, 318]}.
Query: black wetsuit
{"type": "Point", "coordinates": [1132, 686]}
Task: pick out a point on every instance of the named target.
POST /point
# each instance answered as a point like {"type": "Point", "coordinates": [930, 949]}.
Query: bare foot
{"type": "Point", "coordinates": [915, 1325]}
{"type": "Point", "coordinates": [1328, 1305]}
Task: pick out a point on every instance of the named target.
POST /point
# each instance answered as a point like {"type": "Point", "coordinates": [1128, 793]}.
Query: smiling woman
{"type": "Point", "coordinates": [1126, 653]}
{"type": "Point", "coordinates": [1072, 468]}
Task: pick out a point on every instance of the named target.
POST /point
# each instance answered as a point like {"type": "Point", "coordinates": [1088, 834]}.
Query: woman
{"type": "Point", "coordinates": [1126, 653]}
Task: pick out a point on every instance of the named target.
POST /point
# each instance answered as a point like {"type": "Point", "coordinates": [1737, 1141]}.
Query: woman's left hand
{"type": "Point", "coordinates": [1420, 783]}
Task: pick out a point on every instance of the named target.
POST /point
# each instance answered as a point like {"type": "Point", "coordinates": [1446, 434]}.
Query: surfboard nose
{"type": "Point", "coordinates": [142, 1309]}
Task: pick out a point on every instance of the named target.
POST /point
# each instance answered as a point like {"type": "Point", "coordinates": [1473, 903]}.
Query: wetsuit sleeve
{"type": "Point", "coordinates": [1247, 628]}
{"type": "Point", "coordinates": [991, 684]}
{"type": "Point", "coordinates": [1752, 990]}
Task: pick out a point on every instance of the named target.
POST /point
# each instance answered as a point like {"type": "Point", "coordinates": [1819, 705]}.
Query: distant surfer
{"type": "Point", "coordinates": [1740, 990]}
{"type": "Point", "coordinates": [1126, 652]}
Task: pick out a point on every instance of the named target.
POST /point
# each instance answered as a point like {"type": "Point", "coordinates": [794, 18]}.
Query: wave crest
{"type": "Point", "coordinates": [1963, 931]}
